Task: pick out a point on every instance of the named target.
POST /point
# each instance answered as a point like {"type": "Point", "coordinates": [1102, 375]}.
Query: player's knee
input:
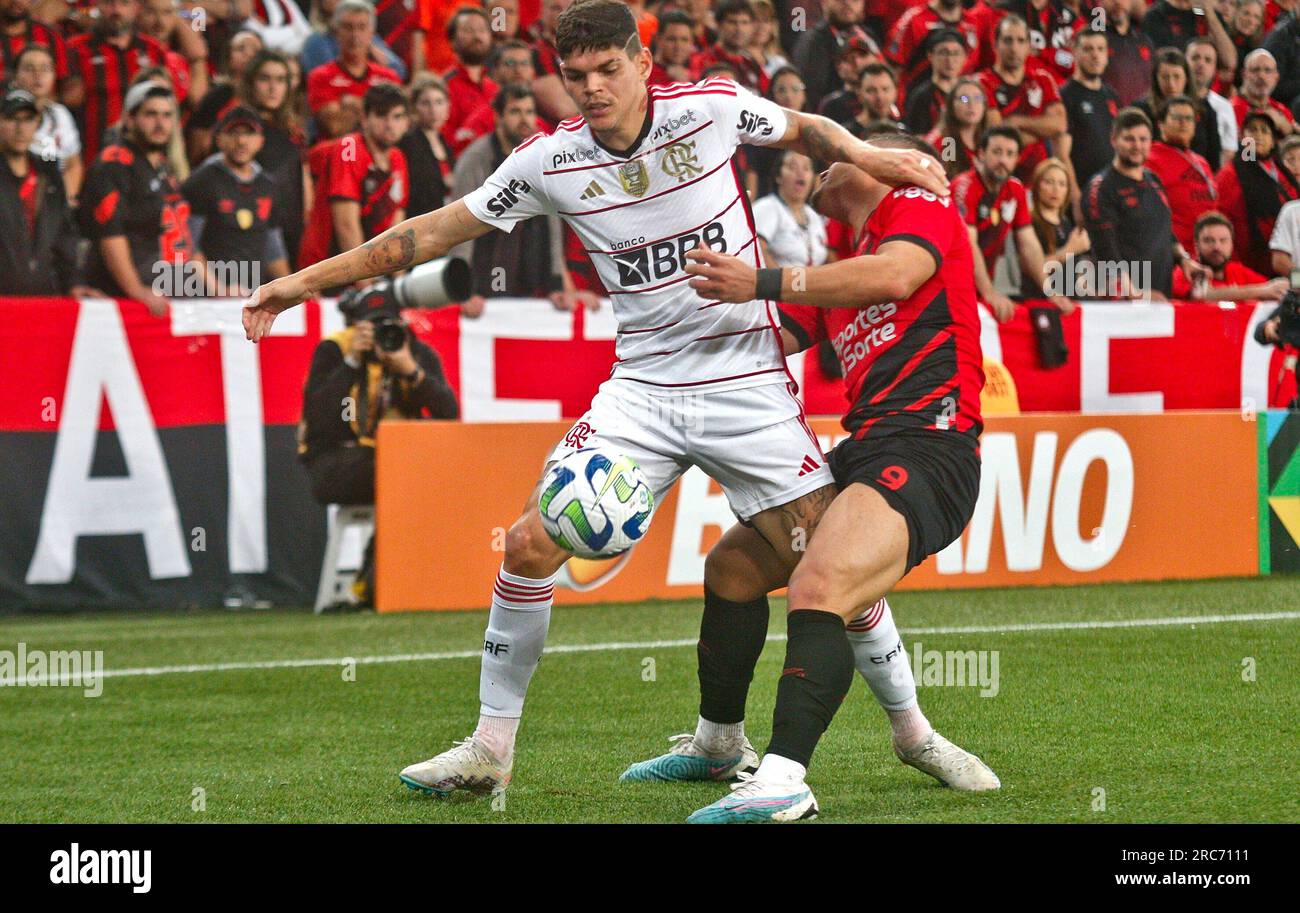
{"type": "Point", "coordinates": [728, 574]}
{"type": "Point", "coordinates": [813, 586]}
{"type": "Point", "coordinates": [528, 548]}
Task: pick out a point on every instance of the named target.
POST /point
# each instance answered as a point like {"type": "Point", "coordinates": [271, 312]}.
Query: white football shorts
{"type": "Point", "coordinates": [753, 442]}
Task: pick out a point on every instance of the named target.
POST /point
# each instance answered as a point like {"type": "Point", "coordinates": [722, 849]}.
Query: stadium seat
{"type": "Point", "coordinates": [337, 574]}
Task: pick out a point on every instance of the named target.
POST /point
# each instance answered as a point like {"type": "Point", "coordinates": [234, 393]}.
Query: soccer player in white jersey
{"type": "Point", "coordinates": [642, 176]}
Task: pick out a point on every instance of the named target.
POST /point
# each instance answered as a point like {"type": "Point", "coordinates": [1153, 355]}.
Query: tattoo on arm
{"type": "Point", "coordinates": [391, 252]}
{"type": "Point", "coordinates": [824, 140]}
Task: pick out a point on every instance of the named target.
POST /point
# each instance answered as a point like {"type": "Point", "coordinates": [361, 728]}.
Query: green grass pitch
{"type": "Point", "coordinates": [1161, 717]}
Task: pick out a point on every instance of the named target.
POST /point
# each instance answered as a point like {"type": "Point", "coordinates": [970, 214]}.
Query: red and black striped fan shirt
{"type": "Point", "coordinates": [34, 32]}
{"type": "Point", "coordinates": [106, 70]}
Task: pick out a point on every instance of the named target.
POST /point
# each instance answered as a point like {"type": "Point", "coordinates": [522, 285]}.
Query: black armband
{"type": "Point", "coordinates": [768, 286]}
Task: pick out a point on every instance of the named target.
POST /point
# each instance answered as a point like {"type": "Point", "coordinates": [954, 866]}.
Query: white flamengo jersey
{"type": "Point", "coordinates": [637, 214]}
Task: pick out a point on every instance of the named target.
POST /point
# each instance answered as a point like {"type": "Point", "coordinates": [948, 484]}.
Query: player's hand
{"type": "Point", "coordinates": [721, 277]}
{"type": "Point", "coordinates": [1003, 307]}
{"type": "Point", "coordinates": [903, 166]}
{"type": "Point", "coordinates": [1274, 289]}
{"type": "Point", "coordinates": [269, 300]}
{"type": "Point", "coordinates": [363, 340]}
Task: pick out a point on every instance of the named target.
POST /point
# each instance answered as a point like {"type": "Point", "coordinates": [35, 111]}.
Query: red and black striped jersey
{"type": "Point", "coordinates": [34, 32]}
{"type": "Point", "coordinates": [344, 169]}
{"type": "Point", "coordinates": [994, 212]}
{"type": "Point", "coordinates": [105, 70]}
{"type": "Point", "coordinates": [915, 364]}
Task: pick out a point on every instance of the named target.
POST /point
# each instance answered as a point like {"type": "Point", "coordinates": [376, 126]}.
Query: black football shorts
{"type": "Point", "coordinates": [931, 478]}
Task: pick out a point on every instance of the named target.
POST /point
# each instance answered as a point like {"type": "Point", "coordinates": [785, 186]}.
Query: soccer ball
{"type": "Point", "coordinates": [596, 503]}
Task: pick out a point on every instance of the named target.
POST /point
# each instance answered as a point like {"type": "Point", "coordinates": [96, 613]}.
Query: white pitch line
{"type": "Point", "coordinates": [1179, 621]}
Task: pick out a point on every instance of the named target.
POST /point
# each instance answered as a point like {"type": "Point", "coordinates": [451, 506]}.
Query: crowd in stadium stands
{"type": "Point", "coordinates": [143, 136]}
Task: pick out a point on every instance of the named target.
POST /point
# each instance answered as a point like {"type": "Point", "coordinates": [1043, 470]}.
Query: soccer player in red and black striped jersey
{"type": "Point", "coordinates": [902, 318]}
{"type": "Point", "coordinates": [102, 63]}
{"type": "Point", "coordinates": [18, 29]}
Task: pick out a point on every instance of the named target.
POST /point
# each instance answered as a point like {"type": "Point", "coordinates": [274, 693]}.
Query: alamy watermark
{"type": "Point", "coordinates": [199, 279]}
{"type": "Point", "coordinates": [1080, 277]}
{"type": "Point", "coordinates": [953, 668]}
{"type": "Point", "coordinates": [24, 668]}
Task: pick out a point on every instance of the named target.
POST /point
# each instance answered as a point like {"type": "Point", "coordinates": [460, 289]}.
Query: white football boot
{"type": "Point", "coordinates": [754, 800]}
{"type": "Point", "coordinates": [687, 761]}
{"type": "Point", "coordinates": [950, 764]}
{"type": "Point", "coordinates": [467, 766]}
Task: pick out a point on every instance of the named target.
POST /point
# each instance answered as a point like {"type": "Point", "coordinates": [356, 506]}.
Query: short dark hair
{"type": "Point", "coordinates": [1264, 118]}
{"type": "Point", "coordinates": [1080, 35]}
{"type": "Point", "coordinates": [454, 22]}
{"type": "Point", "coordinates": [876, 68]}
{"type": "Point", "coordinates": [383, 97]}
{"type": "Point", "coordinates": [1212, 217]}
{"type": "Point", "coordinates": [1128, 118]}
{"type": "Point", "coordinates": [675, 17]}
{"type": "Point", "coordinates": [512, 91]}
{"type": "Point", "coordinates": [596, 25]}
{"type": "Point", "coordinates": [499, 49]}
{"type": "Point", "coordinates": [1163, 108]}
{"type": "Point", "coordinates": [945, 35]}
{"type": "Point", "coordinates": [1003, 131]}
{"type": "Point", "coordinates": [719, 68]}
{"type": "Point", "coordinates": [728, 8]}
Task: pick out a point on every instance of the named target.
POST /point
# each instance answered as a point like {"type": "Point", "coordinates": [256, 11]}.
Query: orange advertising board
{"type": "Point", "coordinates": [1064, 499]}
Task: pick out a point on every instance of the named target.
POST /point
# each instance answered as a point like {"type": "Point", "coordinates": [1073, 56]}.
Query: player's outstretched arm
{"type": "Point", "coordinates": [822, 139]}
{"type": "Point", "coordinates": [893, 273]}
{"type": "Point", "coordinates": [404, 245]}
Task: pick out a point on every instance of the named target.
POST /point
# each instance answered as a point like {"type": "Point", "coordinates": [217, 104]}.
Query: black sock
{"type": "Point", "coordinates": [817, 675]}
{"type": "Point", "coordinates": [732, 635]}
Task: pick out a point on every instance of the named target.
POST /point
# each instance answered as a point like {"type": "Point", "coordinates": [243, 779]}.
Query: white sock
{"type": "Point", "coordinates": [497, 733]}
{"type": "Point", "coordinates": [512, 647]}
{"type": "Point", "coordinates": [910, 727]}
{"type": "Point", "coordinates": [883, 664]}
{"type": "Point", "coordinates": [719, 738]}
{"type": "Point", "coordinates": [776, 769]}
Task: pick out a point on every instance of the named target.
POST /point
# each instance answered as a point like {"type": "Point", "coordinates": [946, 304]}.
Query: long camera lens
{"type": "Point", "coordinates": [433, 284]}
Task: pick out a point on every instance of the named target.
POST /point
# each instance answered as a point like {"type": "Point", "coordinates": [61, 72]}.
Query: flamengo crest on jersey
{"type": "Point", "coordinates": [638, 215]}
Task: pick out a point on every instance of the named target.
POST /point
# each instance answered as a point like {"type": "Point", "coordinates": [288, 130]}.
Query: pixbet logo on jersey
{"type": "Point", "coordinates": [573, 156]}
{"type": "Point", "coordinates": [665, 258]}
{"type": "Point", "coordinates": [668, 127]}
{"type": "Point", "coordinates": [504, 201]}
{"type": "Point", "coordinates": [867, 331]}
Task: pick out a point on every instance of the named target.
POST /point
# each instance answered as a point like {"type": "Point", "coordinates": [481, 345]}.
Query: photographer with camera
{"type": "Point", "coordinates": [373, 369]}
{"type": "Point", "coordinates": [1282, 329]}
